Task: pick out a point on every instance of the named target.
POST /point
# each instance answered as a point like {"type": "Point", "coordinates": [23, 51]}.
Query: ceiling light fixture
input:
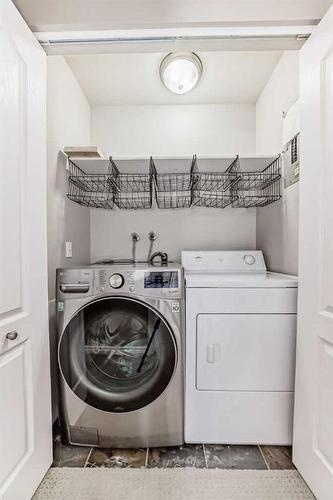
{"type": "Point", "coordinates": [180, 73]}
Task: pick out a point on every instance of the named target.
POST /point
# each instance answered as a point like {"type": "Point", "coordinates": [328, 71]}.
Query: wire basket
{"type": "Point", "coordinates": [252, 199]}
{"type": "Point", "coordinates": [173, 189]}
{"type": "Point", "coordinates": [213, 199]}
{"type": "Point", "coordinates": [260, 180]}
{"type": "Point", "coordinates": [90, 190]}
{"type": "Point", "coordinates": [95, 198]}
{"type": "Point", "coordinates": [213, 189]}
{"type": "Point", "coordinates": [258, 189]}
{"type": "Point", "coordinates": [99, 183]}
{"type": "Point", "coordinates": [133, 191]}
{"type": "Point", "coordinates": [133, 201]}
{"type": "Point", "coordinates": [217, 180]}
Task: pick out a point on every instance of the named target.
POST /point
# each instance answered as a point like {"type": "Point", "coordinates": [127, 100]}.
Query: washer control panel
{"type": "Point", "coordinates": [140, 280]}
{"type": "Point", "coordinates": [150, 281]}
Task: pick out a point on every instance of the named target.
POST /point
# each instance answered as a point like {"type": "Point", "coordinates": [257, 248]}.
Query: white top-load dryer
{"type": "Point", "coordinates": [240, 349]}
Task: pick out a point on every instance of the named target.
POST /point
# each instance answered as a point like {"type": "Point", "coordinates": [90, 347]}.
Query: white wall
{"type": "Point", "coordinates": [68, 124]}
{"type": "Point", "coordinates": [207, 130]}
{"type": "Point", "coordinates": [191, 229]}
{"type": "Point", "coordinates": [210, 130]}
{"type": "Point", "coordinates": [68, 119]}
{"type": "Point", "coordinates": [277, 224]}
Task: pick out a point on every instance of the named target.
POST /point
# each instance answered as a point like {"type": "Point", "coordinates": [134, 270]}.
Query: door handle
{"type": "Point", "coordinates": [12, 335]}
{"type": "Point", "coordinates": [74, 288]}
{"type": "Point", "coordinates": [213, 353]}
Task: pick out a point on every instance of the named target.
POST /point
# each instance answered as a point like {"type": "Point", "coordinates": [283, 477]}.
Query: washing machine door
{"type": "Point", "coordinates": [110, 358]}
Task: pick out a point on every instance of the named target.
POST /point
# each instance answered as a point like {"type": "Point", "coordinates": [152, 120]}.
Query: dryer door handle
{"type": "Point", "coordinates": [213, 353]}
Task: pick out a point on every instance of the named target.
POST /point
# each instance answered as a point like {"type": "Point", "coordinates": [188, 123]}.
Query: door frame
{"type": "Point", "coordinates": [227, 38]}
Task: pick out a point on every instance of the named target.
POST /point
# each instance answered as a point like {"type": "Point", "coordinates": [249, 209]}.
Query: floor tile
{"type": "Point", "coordinates": [277, 457]}
{"type": "Point", "coordinates": [177, 456]}
{"type": "Point", "coordinates": [69, 456]}
{"type": "Point", "coordinates": [233, 457]}
{"type": "Point", "coordinates": [112, 457]}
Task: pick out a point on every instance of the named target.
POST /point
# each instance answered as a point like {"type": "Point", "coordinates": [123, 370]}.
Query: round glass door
{"type": "Point", "coordinates": [117, 354]}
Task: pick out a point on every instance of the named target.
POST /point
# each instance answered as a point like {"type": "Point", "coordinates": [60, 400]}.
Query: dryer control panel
{"type": "Point", "coordinates": [251, 261]}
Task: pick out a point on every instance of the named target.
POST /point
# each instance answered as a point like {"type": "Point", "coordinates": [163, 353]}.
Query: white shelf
{"type": "Point", "coordinates": [165, 164]}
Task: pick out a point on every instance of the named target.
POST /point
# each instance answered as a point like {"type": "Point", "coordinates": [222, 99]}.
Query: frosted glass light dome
{"type": "Point", "coordinates": [180, 73]}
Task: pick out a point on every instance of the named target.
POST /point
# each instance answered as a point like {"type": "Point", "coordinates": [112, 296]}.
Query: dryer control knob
{"type": "Point", "coordinates": [249, 259]}
{"type": "Point", "coordinates": [116, 281]}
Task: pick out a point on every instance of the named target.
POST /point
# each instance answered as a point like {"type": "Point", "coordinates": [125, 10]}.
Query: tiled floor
{"type": "Point", "coordinates": [189, 455]}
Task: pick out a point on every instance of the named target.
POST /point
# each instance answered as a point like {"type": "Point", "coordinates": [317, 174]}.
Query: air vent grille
{"type": "Point", "coordinates": [291, 161]}
{"type": "Point", "coordinates": [294, 149]}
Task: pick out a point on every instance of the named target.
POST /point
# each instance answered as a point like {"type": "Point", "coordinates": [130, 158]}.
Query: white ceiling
{"type": "Point", "coordinates": [53, 15]}
{"type": "Point", "coordinates": [122, 79]}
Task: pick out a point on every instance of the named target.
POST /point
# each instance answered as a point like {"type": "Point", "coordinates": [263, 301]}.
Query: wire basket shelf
{"type": "Point", "coordinates": [183, 187]}
{"type": "Point", "coordinates": [173, 189]}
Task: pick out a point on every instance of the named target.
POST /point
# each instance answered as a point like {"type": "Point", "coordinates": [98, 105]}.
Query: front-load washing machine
{"type": "Point", "coordinates": [120, 354]}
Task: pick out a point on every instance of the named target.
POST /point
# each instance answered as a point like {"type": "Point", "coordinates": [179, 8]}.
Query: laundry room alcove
{"type": "Point", "coordinates": [177, 166]}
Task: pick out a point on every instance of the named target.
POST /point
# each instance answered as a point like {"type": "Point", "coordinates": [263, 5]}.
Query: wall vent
{"type": "Point", "coordinates": [291, 161]}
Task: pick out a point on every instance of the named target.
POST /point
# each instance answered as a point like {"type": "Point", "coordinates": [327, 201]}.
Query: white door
{"type": "Point", "coordinates": [313, 421]}
{"type": "Point", "coordinates": [25, 413]}
{"type": "Point", "coordinates": [246, 352]}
